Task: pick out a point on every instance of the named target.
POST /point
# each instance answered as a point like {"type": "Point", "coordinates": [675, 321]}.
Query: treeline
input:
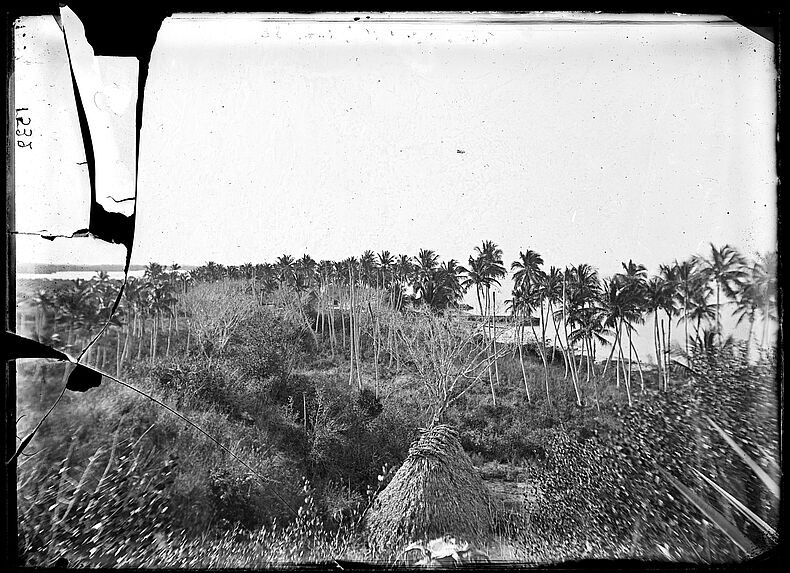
{"type": "Point", "coordinates": [334, 299]}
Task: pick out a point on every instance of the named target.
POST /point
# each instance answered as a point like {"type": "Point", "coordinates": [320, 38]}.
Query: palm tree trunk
{"type": "Point", "coordinates": [628, 330]}
{"type": "Point", "coordinates": [657, 345]}
{"type": "Point", "coordinates": [488, 365]}
{"type": "Point", "coordinates": [154, 338]}
{"type": "Point", "coordinates": [124, 352]}
{"type": "Point", "coordinates": [764, 336]}
{"type": "Point", "coordinates": [667, 346]}
{"type": "Point", "coordinates": [543, 330]}
{"type": "Point", "coordinates": [169, 331]}
{"type": "Point", "coordinates": [318, 316]}
{"type": "Point", "coordinates": [351, 332]}
{"type": "Point", "coordinates": [343, 323]}
{"type": "Point", "coordinates": [622, 356]}
{"type": "Point", "coordinates": [718, 310]}
{"type": "Point", "coordinates": [571, 357]}
{"type": "Point", "coordinates": [118, 353]}
{"type": "Point", "coordinates": [493, 341]}
{"type": "Point", "coordinates": [749, 336]}
{"type": "Point", "coordinates": [357, 337]}
{"type": "Point", "coordinates": [592, 371]}
{"type": "Point", "coordinates": [554, 344]}
{"type": "Point", "coordinates": [638, 363]}
{"type": "Point", "coordinates": [374, 325]}
{"type": "Point", "coordinates": [609, 358]}
{"type": "Point", "coordinates": [140, 340]}
{"type": "Point", "coordinates": [521, 360]}
{"type": "Point", "coordinates": [542, 356]}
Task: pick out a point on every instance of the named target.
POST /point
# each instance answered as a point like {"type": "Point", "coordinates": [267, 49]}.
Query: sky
{"type": "Point", "coordinates": [586, 142]}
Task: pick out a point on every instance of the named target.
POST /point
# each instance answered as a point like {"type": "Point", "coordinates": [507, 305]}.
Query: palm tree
{"type": "Point", "coordinates": [247, 271]}
{"type": "Point", "coordinates": [688, 281]}
{"type": "Point", "coordinates": [154, 272]}
{"type": "Point", "coordinates": [529, 296]}
{"type": "Point", "coordinates": [268, 275]}
{"type": "Point", "coordinates": [616, 306]}
{"type": "Point", "coordinates": [700, 310]}
{"type": "Point", "coordinates": [748, 303]}
{"type": "Point", "coordinates": [304, 270]}
{"type": "Point", "coordinates": [44, 302]}
{"type": "Point", "coordinates": [491, 256]}
{"type": "Point", "coordinates": [764, 275]}
{"type": "Point", "coordinates": [74, 307]}
{"type": "Point", "coordinates": [725, 268]}
{"type": "Point", "coordinates": [551, 292]}
{"type": "Point", "coordinates": [635, 279]}
{"type": "Point", "coordinates": [589, 330]}
{"type": "Point", "coordinates": [580, 290]}
{"type": "Point", "coordinates": [232, 272]}
{"type": "Point", "coordinates": [285, 268]}
{"type": "Point", "coordinates": [517, 304]}
{"type": "Point", "coordinates": [449, 278]}
{"type": "Point", "coordinates": [403, 271]}
{"type": "Point", "coordinates": [367, 265]}
{"type": "Point", "coordinates": [476, 275]}
{"type": "Point", "coordinates": [669, 273]}
{"type": "Point", "coordinates": [213, 271]}
{"type": "Point", "coordinates": [425, 261]}
{"type": "Point", "coordinates": [528, 265]}
{"type": "Point", "coordinates": [658, 297]}
{"type": "Point", "coordinates": [385, 264]}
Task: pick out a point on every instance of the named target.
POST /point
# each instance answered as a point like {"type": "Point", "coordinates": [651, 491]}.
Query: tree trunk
{"type": "Point", "coordinates": [140, 340]}
{"type": "Point", "coordinates": [657, 345]}
{"type": "Point", "coordinates": [667, 345]}
{"type": "Point", "coordinates": [595, 381]}
{"type": "Point", "coordinates": [169, 331]}
{"type": "Point", "coordinates": [374, 326]}
{"type": "Point", "coordinates": [343, 324]}
{"type": "Point", "coordinates": [493, 341]}
{"type": "Point", "coordinates": [119, 332]}
{"type": "Point", "coordinates": [622, 356]}
{"type": "Point", "coordinates": [521, 360]}
{"type": "Point", "coordinates": [686, 326]}
{"type": "Point", "coordinates": [569, 346]}
{"type": "Point", "coordinates": [351, 332]}
{"type": "Point", "coordinates": [628, 330]}
{"type": "Point", "coordinates": [357, 341]}
{"type": "Point", "coordinates": [638, 364]}
{"type": "Point", "coordinates": [488, 365]}
{"type": "Point", "coordinates": [125, 349]}
{"type": "Point", "coordinates": [558, 342]}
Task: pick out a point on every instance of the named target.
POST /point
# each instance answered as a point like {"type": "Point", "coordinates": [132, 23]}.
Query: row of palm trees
{"type": "Point", "coordinates": [70, 313]}
{"type": "Point", "coordinates": [585, 311]}
{"type": "Point", "coordinates": [588, 312]}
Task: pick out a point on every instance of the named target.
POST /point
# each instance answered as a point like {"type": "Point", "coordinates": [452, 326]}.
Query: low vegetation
{"type": "Point", "coordinates": [332, 385]}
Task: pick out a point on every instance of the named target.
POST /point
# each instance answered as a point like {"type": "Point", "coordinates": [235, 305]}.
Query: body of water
{"type": "Point", "coordinates": [73, 275]}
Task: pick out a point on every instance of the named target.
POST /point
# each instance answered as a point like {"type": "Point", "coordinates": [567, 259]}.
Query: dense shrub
{"type": "Point", "coordinates": [215, 311]}
{"type": "Point", "coordinates": [268, 346]}
{"type": "Point", "coordinates": [252, 501]}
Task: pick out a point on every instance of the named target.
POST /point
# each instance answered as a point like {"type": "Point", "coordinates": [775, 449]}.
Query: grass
{"type": "Point", "coordinates": [111, 480]}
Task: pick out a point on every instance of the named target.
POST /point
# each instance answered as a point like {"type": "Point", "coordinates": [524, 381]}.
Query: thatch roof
{"type": "Point", "coordinates": [435, 492]}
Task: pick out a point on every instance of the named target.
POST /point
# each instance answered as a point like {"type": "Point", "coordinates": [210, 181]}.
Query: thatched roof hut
{"type": "Point", "coordinates": [435, 492]}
